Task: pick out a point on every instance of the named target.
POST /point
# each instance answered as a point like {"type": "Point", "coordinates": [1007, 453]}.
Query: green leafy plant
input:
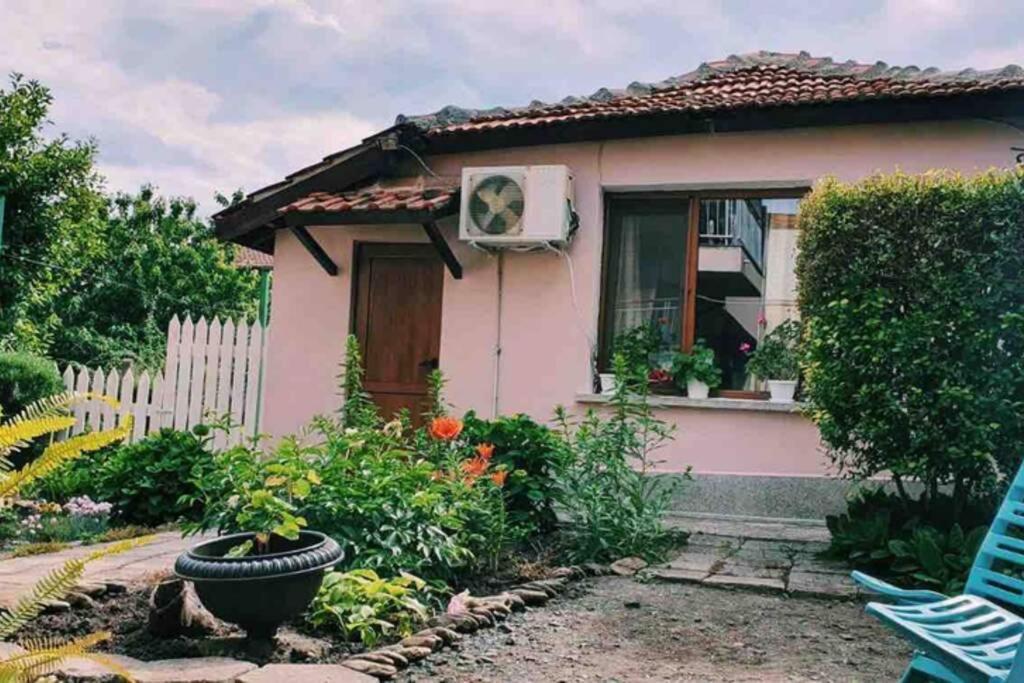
{"type": "Point", "coordinates": [638, 346]}
{"type": "Point", "coordinates": [613, 503]}
{"type": "Point", "coordinates": [366, 607]}
{"type": "Point", "coordinates": [939, 559]}
{"type": "Point", "coordinates": [914, 344]}
{"type": "Point", "coordinates": [778, 354]}
{"type": "Point", "coordinates": [882, 533]}
{"type": "Point", "coordinates": [149, 482]}
{"type": "Point", "coordinates": [699, 364]}
{"type": "Point", "coordinates": [39, 419]}
{"type": "Point", "coordinates": [534, 458]}
{"type": "Point", "coordinates": [357, 408]}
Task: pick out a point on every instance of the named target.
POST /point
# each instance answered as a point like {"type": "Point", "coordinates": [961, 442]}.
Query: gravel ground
{"type": "Point", "coordinates": [617, 629]}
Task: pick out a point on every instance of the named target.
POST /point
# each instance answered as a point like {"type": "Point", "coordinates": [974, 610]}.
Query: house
{"type": "Point", "coordinates": [685, 195]}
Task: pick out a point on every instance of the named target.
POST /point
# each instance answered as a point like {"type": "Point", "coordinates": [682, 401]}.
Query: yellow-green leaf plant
{"type": "Point", "coordinates": [46, 418]}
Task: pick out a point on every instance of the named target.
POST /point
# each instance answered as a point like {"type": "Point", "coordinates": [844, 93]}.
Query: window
{"type": "Point", "coordinates": [646, 269]}
{"type": "Point", "coordinates": [696, 267]}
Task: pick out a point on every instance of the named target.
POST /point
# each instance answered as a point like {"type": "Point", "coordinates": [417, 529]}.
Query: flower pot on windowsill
{"type": "Point", "coordinates": [781, 390]}
{"type": "Point", "coordinates": [607, 382]}
{"type": "Point", "coordinates": [259, 592]}
{"type": "Point", "coordinates": [696, 389]}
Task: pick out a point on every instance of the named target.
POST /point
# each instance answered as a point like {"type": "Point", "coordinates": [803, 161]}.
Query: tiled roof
{"type": "Point", "coordinates": [762, 79]}
{"type": "Point", "coordinates": [377, 197]}
{"type": "Point", "coordinates": [250, 258]}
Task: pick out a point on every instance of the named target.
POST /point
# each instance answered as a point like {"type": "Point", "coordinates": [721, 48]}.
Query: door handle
{"type": "Point", "coordinates": [430, 364]}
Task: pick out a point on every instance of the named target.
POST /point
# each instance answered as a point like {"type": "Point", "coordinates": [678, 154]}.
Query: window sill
{"type": "Point", "coordinates": [704, 403]}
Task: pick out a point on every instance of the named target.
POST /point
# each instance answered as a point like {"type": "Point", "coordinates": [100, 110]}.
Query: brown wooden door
{"type": "Point", "coordinates": [397, 319]}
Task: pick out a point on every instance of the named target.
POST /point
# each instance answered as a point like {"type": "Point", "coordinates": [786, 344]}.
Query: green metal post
{"type": "Point", "coordinates": [3, 201]}
{"type": "Point", "coordinates": [264, 287]}
{"type": "Point", "coordinates": [264, 319]}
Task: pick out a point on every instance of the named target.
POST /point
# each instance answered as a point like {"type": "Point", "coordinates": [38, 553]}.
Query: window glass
{"type": "Point", "coordinates": [646, 267]}
{"type": "Point", "coordinates": [735, 249]}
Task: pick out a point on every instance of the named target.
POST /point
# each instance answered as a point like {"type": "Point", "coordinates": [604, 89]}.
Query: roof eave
{"type": "Point", "coordinates": [890, 110]}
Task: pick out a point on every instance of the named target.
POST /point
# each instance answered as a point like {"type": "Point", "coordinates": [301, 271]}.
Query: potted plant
{"type": "Point", "coordinates": [262, 577]}
{"type": "Point", "coordinates": [697, 371]}
{"type": "Point", "coordinates": [777, 361]}
{"type": "Point", "coordinates": [640, 347]}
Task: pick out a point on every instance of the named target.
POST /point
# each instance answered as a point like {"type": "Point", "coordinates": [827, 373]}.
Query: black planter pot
{"type": "Point", "coordinates": [259, 592]}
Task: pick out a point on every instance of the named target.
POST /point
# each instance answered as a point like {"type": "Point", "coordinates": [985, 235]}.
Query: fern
{"type": "Point", "coordinates": [56, 454]}
{"type": "Point", "coordinates": [45, 654]}
{"type": "Point", "coordinates": [49, 416]}
{"type": "Point", "coordinates": [45, 416]}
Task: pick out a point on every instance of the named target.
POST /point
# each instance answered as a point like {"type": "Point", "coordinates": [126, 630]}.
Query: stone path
{"type": "Point", "coordinates": [765, 556]}
{"type": "Point", "coordinates": [136, 566]}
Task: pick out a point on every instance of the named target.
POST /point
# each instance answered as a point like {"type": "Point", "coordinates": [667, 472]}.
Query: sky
{"type": "Point", "coordinates": [205, 96]}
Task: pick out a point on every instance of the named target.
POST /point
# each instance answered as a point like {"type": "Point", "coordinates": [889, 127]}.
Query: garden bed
{"type": "Point", "coordinates": [126, 616]}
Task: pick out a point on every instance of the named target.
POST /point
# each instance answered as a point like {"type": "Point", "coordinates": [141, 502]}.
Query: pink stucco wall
{"type": "Point", "coordinates": [544, 360]}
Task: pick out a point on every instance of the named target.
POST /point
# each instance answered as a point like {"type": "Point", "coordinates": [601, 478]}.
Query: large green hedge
{"type": "Point", "coordinates": [25, 378]}
{"type": "Point", "coordinates": [912, 288]}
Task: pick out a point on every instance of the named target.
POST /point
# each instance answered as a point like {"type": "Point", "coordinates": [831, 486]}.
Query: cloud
{"type": "Point", "coordinates": [200, 96]}
{"type": "Point", "coordinates": [197, 147]}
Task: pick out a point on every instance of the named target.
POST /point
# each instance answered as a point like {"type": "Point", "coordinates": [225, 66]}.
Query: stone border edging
{"type": "Point", "coordinates": [444, 630]}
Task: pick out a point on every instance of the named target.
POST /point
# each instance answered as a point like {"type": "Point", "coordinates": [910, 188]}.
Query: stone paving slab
{"type": "Point", "coordinates": [136, 566]}
{"type": "Point", "coordinates": [193, 670]}
{"type": "Point", "coordinates": [305, 673]}
{"type": "Point", "coordinates": [789, 564]}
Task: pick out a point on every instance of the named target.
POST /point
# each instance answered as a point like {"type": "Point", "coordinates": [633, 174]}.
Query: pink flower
{"type": "Point", "coordinates": [745, 347]}
{"type": "Point", "coordinates": [761, 320]}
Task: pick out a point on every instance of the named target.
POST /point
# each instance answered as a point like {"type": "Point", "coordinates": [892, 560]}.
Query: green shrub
{"type": "Point", "coordinates": [149, 481]}
{"type": "Point", "coordinates": [380, 494]}
{"type": "Point", "coordinates": [911, 295]}
{"type": "Point", "coordinates": [882, 533]}
{"type": "Point", "coordinates": [535, 459]}
{"type": "Point", "coordinates": [615, 507]}
{"type": "Point", "coordinates": [24, 379]}
{"type": "Point", "coordinates": [366, 607]}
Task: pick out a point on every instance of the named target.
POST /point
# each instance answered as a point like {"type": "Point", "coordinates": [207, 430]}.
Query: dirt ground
{"type": "Point", "coordinates": [609, 629]}
{"type": "Point", "coordinates": [618, 630]}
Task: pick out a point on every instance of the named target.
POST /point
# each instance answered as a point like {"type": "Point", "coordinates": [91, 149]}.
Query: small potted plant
{"type": "Point", "coordinates": [270, 573]}
{"type": "Point", "coordinates": [697, 371]}
{"type": "Point", "coordinates": [638, 345]}
{"type": "Point", "coordinates": [777, 361]}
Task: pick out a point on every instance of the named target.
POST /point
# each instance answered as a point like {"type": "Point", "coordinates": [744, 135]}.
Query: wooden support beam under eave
{"type": "Point", "coordinates": [437, 239]}
{"type": "Point", "coordinates": [314, 248]}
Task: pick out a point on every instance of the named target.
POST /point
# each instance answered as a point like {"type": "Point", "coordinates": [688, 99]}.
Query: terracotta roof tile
{"type": "Point", "coordinates": [763, 79]}
{"type": "Point", "coordinates": [250, 258]}
{"type": "Point", "coordinates": [418, 197]}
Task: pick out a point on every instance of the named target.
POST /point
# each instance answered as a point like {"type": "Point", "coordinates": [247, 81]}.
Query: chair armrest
{"type": "Point", "coordinates": [900, 596]}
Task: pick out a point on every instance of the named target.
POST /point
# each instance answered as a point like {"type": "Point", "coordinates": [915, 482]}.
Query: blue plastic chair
{"type": "Point", "coordinates": [974, 636]}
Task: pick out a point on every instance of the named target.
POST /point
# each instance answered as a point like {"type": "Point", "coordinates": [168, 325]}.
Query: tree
{"type": "Point", "coordinates": [54, 217]}
{"type": "Point", "coordinates": [89, 279]}
{"type": "Point", "coordinates": [158, 260]}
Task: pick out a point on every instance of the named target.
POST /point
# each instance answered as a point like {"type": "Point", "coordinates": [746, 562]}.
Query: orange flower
{"type": "Point", "coordinates": [499, 478]}
{"type": "Point", "coordinates": [445, 428]}
{"type": "Point", "coordinates": [485, 450]}
{"type": "Point", "coordinates": [475, 467]}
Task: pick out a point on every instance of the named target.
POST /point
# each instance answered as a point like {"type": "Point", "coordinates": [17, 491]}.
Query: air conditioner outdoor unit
{"type": "Point", "coordinates": [516, 205]}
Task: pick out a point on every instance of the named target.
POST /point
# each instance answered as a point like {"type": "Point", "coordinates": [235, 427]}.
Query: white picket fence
{"type": "Point", "coordinates": [211, 370]}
